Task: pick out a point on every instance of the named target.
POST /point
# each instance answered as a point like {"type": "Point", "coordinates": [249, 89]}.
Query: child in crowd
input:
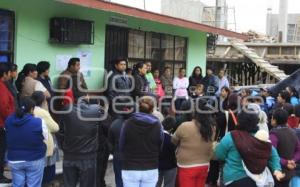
{"type": "Point", "coordinates": [198, 92]}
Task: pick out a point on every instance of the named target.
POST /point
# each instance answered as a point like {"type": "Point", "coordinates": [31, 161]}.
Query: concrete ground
{"type": "Point", "coordinates": [109, 178]}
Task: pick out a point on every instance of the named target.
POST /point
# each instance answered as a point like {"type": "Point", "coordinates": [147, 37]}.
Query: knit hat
{"type": "Point", "coordinates": [262, 135]}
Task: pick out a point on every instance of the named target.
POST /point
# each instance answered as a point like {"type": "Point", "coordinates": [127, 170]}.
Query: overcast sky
{"type": "Point", "coordinates": [249, 14]}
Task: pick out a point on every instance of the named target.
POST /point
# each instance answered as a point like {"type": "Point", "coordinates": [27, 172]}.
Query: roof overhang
{"type": "Point", "coordinates": [142, 14]}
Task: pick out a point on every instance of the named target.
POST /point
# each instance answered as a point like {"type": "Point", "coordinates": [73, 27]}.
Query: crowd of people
{"type": "Point", "coordinates": [162, 131]}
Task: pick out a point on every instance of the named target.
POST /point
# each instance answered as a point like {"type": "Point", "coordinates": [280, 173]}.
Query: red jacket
{"type": "Point", "coordinates": [7, 105]}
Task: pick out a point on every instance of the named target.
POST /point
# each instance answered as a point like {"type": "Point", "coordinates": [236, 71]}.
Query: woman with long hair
{"type": "Point", "coordinates": [26, 150]}
{"type": "Point", "coordinates": [195, 149]}
{"type": "Point", "coordinates": [27, 82]}
{"type": "Point", "coordinates": [141, 85]}
{"type": "Point", "coordinates": [167, 82]}
{"type": "Point", "coordinates": [196, 78]}
{"type": "Point", "coordinates": [224, 96]}
{"type": "Point", "coordinates": [246, 155]}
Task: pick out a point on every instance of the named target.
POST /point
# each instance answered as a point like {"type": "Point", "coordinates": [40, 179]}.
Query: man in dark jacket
{"type": "Point", "coordinates": [210, 82]}
{"type": "Point", "coordinates": [80, 143]}
{"type": "Point", "coordinates": [119, 87]}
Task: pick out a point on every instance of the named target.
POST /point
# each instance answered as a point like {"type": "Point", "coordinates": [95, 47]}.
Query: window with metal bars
{"type": "Point", "coordinates": [162, 50]}
{"type": "Point", "coordinates": [7, 33]}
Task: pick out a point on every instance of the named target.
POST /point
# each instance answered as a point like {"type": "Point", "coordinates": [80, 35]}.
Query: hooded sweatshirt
{"type": "Point", "coordinates": [24, 138]}
{"type": "Point", "coordinates": [140, 142]}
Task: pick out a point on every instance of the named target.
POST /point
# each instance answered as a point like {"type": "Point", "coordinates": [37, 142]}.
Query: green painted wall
{"type": "Point", "coordinates": [32, 34]}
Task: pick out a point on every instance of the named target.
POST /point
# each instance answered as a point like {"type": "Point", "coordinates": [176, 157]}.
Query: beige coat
{"type": "Point", "coordinates": [192, 149]}
{"type": "Point", "coordinates": [31, 85]}
{"type": "Point", "coordinates": [51, 125]}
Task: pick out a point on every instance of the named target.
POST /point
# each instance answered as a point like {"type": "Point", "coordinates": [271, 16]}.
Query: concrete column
{"type": "Point", "coordinates": [282, 21]}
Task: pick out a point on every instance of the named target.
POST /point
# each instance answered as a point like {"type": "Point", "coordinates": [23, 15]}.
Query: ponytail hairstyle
{"type": "Point", "coordinates": [136, 67]}
{"type": "Point", "coordinates": [25, 72]}
{"type": "Point", "coordinates": [205, 122]}
{"type": "Point", "coordinates": [25, 107]}
{"type": "Point", "coordinates": [146, 104]}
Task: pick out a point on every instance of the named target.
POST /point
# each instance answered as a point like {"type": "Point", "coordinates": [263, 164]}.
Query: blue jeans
{"type": "Point", "coordinates": [147, 178]}
{"type": "Point", "coordinates": [29, 173]}
{"type": "Point", "coordinates": [117, 170]}
{"type": "Point", "coordinates": [295, 182]}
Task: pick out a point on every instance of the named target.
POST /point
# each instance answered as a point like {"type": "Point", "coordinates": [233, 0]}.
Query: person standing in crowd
{"type": "Point", "coordinates": [10, 83]}
{"type": "Point", "coordinates": [43, 69]}
{"type": "Point", "coordinates": [195, 79]}
{"type": "Point", "coordinates": [149, 77]}
{"type": "Point", "coordinates": [187, 113]}
{"type": "Point", "coordinates": [28, 84]}
{"type": "Point", "coordinates": [167, 158]}
{"type": "Point", "coordinates": [103, 150]}
{"type": "Point", "coordinates": [295, 181]}
{"type": "Point", "coordinates": [167, 82]}
{"type": "Point", "coordinates": [159, 91]}
{"type": "Point", "coordinates": [223, 81]}
{"type": "Point", "coordinates": [224, 96]}
{"type": "Point", "coordinates": [7, 107]}
{"type": "Point", "coordinates": [263, 118]}
{"type": "Point", "coordinates": [79, 128]}
{"type": "Point", "coordinates": [52, 155]}
{"type": "Point", "coordinates": [268, 99]}
{"type": "Point", "coordinates": [180, 85]}
{"type": "Point", "coordinates": [210, 82]}
{"type": "Point", "coordinates": [226, 121]}
{"type": "Point", "coordinates": [26, 150]}
{"type": "Point", "coordinates": [141, 85]}
{"type": "Point", "coordinates": [240, 146]}
{"type": "Point", "coordinates": [140, 142]}
{"type": "Point", "coordinates": [71, 77]}
{"type": "Point", "coordinates": [194, 140]}
{"type": "Point", "coordinates": [283, 101]}
{"type": "Point", "coordinates": [114, 138]}
{"type": "Point", "coordinates": [294, 95]}
{"type": "Point", "coordinates": [119, 85]}
{"type": "Point", "coordinates": [287, 144]}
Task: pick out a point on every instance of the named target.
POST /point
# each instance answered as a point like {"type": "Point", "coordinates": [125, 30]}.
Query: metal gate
{"type": "Point", "coordinates": [116, 44]}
